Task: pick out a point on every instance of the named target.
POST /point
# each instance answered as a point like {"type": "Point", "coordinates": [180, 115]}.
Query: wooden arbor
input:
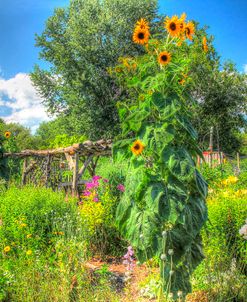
{"type": "Point", "coordinates": [62, 167]}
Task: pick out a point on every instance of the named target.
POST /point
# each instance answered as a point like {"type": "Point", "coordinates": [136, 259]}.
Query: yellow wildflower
{"type": "Point", "coordinates": [7, 249]}
{"type": "Point", "coordinates": [29, 253]}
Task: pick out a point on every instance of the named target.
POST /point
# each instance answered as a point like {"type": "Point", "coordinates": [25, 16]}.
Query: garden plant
{"type": "Point", "coordinates": [163, 208]}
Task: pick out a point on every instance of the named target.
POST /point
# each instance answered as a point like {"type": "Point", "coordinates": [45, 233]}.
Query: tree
{"type": "Point", "coordinates": [61, 132]}
{"type": "Point", "coordinates": [222, 98]}
{"type": "Point", "coordinates": [81, 43]}
{"type": "Point", "coordinates": [20, 135]}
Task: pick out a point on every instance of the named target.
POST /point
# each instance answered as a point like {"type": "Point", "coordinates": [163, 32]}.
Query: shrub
{"type": "Point", "coordinates": [97, 208]}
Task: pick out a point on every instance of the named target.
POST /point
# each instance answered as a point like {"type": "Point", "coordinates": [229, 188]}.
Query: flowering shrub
{"type": "Point", "coordinates": [163, 207]}
{"type": "Point", "coordinates": [97, 208]}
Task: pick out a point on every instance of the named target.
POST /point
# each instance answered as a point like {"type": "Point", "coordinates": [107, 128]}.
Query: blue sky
{"type": "Point", "coordinates": [21, 19]}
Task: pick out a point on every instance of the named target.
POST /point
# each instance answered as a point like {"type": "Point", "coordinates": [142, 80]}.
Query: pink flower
{"type": "Point", "coordinates": [90, 185]}
{"type": "Point", "coordinates": [105, 180]}
{"type": "Point", "coordinates": [121, 187]}
{"type": "Point", "coordinates": [96, 178]}
{"type": "Point", "coordinates": [96, 199]}
{"type": "Point", "coordinates": [86, 193]}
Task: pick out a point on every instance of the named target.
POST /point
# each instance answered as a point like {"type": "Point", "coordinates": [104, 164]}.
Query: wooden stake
{"type": "Point", "coordinates": [24, 173]}
{"type": "Point", "coordinates": [75, 175]}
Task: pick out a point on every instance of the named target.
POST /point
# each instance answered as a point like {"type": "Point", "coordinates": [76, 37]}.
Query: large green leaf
{"type": "Point", "coordinates": [186, 124]}
{"type": "Point", "coordinates": [180, 164]}
{"type": "Point", "coordinates": [201, 184]}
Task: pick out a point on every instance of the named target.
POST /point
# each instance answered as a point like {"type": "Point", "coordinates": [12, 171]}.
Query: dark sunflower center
{"type": "Point", "coordinates": [164, 58]}
{"type": "Point", "coordinates": [188, 30]}
{"type": "Point", "coordinates": [137, 147]}
{"type": "Point", "coordinates": [141, 36]}
{"type": "Point", "coordinates": [173, 26]}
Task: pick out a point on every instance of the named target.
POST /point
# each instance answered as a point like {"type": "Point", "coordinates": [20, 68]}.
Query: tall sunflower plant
{"type": "Point", "coordinates": [163, 207]}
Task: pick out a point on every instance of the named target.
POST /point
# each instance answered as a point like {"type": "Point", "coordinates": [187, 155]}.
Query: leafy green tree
{"type": "Point", "coordinates": [222, 103]}
{"type": "Point", "coordinates": [21, 137]}
{"type": "Point", "coordinates": [81, 42]}
{"type": "Point", "coordinates": [61, 132]}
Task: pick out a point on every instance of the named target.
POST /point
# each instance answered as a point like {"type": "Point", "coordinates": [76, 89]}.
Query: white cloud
{"type": "Point", "coordinates": [245, 68]}
{"type": "Point", "coordinates": [19, 95]}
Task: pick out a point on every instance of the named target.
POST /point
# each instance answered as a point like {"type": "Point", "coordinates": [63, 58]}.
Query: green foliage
{"type": "Point", "coordinates": [61, 132]}
{"type": "Point", "coordinates": [163, 208]}
{"type": "Point", "coordinates": [222, 273]}
{"type": "Point", "coordinates": [222, 94]}
{"type": "Point", "coordinates": [21, 137]}
{"type": "Point", "coordinates": [39, 212]}
{"type": "Point", "coordinates": [64, 140]}
{"type": "Point", "coordinates": [81, 42]}
{"type": "Point", "coordinates": [43, 244]}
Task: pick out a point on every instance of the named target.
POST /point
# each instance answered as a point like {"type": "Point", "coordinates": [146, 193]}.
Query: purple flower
{"type": "Point", "coordinates": [96, 178]}
{"type": "Point", "coordinates": [121, 187]}
{"type": "Point", "coordinates": [96, 199]}
{"type": "Point", "coordinates": [105, 180]}
{"type": "Point", "coordinates": [128, 259]}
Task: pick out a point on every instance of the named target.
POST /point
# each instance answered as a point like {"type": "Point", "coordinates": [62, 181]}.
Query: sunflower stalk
{"type": "Point", "coordinates": [164, 190]}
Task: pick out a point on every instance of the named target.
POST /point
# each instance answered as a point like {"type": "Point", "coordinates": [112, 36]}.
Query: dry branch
{"type": "Point", "coordinates": [101, 147]}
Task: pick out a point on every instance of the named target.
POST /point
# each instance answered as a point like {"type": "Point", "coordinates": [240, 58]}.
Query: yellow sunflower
{"type": "Point", "coordinates": [204, 44]}
{"type": "Point", "coordinates": [141, 35]}
{"type": "Point", "coordinates": [143, 24]}
{"type": "Point", "coordinates": [173, 26]}
{"type": "Point", "coordinates": [164, 58]}
{"type": "Point", "coordinates": [137, 147]}
{"type": "Point", "coordinates": [189, 30]}
{"type": "Point", "coordinates": [7, 134]}
{"type": "Point", "coordinates": [182, 22]}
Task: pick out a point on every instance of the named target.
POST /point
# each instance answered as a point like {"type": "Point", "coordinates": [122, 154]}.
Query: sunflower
{"type": "Point", "coordinates": [189, 30]}
{"type": "Point", "coordinates": [143, 24]}
{"type": "Point", "coordinates": [164, 58]}
{"type": "Point", "coordinates": [182, 22]}
{"type": "Point", "coordinates": [7, 134]}
{"type": "Point", "coordinates": [173, 26]}
{"type": "Point", "coordinates": [141, 35]}
{"type": "Point", "coordinates": [137, 147]}
{"type": "Point", "coordinates": [204, 44]}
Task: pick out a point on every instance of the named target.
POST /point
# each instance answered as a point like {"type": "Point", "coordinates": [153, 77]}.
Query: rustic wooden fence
{"type": "Point", "coordinates": [47, 167]}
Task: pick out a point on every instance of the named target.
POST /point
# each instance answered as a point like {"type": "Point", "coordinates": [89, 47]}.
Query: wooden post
{"type": "Point", "coordinates": [75, 175]}
{"type": "Point", "coordinates": [211, 139]}
{"type": "Point", "coordinates": [47, 170]}
{"type": "Point", "coordinates": [24, 169]}
{"type": "Point", "coordinates": [210, 160]}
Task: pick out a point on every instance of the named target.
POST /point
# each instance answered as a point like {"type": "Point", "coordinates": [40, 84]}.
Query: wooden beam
{"type": "Point", "coordinates": [69, 183]}
{"type": "Point", "coordinates": [101, 147]}
{"type": "Point", "coordinates": [84, 167]}
{"type": "Point", "coordinates": [70, 161]}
